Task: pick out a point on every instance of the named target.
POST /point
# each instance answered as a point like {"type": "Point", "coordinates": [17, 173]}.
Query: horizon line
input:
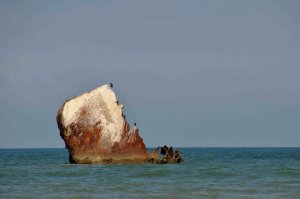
{"type": "Point", "coordinates": [170, 146]}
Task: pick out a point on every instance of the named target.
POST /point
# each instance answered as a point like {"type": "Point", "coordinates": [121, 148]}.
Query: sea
{"type": "Point", "coordinates": [205, 173]}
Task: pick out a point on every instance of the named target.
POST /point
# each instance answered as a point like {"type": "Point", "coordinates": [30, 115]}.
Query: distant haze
{"type": "Point", "coordinates": [190, 73]}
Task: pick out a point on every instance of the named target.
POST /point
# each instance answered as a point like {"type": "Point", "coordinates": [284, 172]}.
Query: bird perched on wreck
{"type": "Point", "coordinates": [111, 85]}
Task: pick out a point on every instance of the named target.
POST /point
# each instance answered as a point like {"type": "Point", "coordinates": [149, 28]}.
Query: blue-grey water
{"type": "Point", "coordinates": [205, 173]}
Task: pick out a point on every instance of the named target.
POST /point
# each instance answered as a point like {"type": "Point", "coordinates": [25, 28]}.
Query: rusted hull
{"type": "Point", "coordinates": [95, 130]}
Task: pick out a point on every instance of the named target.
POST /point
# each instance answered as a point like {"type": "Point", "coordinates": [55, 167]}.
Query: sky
{"type": "Point", "coordinates": [190, 73]}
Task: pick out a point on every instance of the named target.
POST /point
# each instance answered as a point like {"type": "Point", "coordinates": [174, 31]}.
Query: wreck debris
{"type": "Point", "coordinates": [168, 155]}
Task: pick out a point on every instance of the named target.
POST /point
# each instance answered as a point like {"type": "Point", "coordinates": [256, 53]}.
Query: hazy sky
{"type": "Point", "coordinates": [190, 73]}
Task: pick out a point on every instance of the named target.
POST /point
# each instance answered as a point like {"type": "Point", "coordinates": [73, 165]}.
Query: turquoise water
{"type": "Point", "coordinates": [205, 173]}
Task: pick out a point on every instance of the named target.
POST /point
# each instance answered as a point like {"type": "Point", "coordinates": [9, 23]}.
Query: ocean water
{"type": "Point", "coordinates": [205, 173]}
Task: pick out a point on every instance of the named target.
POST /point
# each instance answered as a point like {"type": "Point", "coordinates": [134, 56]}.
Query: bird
{"type": "Point", "coordinates": [134, 124]}
{"type": "Point", "coordinates": [117, 102]}
{"type": "Point", "coordinates": [111, 85]}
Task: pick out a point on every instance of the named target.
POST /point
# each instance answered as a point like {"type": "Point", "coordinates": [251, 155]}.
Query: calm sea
{"type": "Point", "coordinates": [205, 173]}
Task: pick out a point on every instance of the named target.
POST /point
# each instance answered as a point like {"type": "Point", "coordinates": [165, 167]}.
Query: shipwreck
{"type": "Point", "coordinates": [95, 130]}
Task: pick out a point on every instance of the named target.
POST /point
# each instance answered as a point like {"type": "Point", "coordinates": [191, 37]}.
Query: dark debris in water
{"type": "Point", "coordinates": [168, 155]}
